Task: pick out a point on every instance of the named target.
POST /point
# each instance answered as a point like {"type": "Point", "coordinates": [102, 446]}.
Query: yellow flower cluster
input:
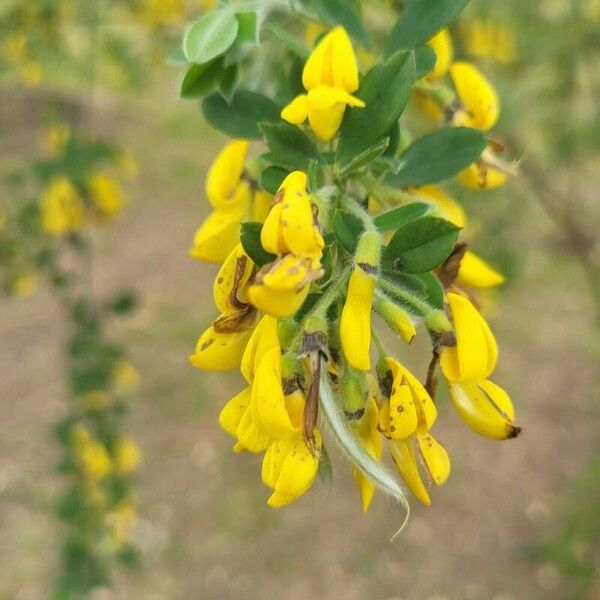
{"type": "Point", "coordinates": [66, 207]}
{"type": "Point", "coordinates": [471, 101]}
{"type": "Point", "coordinates": [287, 346]}
{"type": "Point", "coordinates": [96, 464]}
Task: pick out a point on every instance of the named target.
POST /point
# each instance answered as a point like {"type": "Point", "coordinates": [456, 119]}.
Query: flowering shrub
{"type": "Point", "coordinates": [45, 236]}
{"type": "Point", "coordinates": [337, 215]}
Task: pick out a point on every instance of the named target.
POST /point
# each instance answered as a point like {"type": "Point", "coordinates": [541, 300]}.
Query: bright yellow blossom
{"type": "Point", "coordinates": [330, 76]}
{"type": "Point", "coordinates": [481, 107]}
{"type": "Point", "coordinates": [355, 322]}
{"type": "Point", "coordinates": [441, 44]}
{"type": "Point", "coordinates": [475, 272]}
{"type": "Point", "coordinates": [91, 456]}
{"type": "Point", "coordinates": [370, 439]}
{"type": "Point", "coordinates": [264, 338]}
{"type": "Point", "coordinates": [290, 226]}
{"type": "Point", "coordinates": [126, 456]}
{"type": "Point", "coordinates": [289, 468]}
{"type": "Point", "coordinates": [282, 287]}
{"type": "Point", "coordinates": [106, 194]}
{"type": "Point", "coordinates": [222, 345]}
{"type": "Point", "coordinates": [486, 408]}
{"type": "Point", "coordinates": [474, 356]}
{"type": "Point", "coordinates": [63, 210]}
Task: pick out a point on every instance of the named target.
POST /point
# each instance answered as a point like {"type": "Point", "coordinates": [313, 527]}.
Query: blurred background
{"type": "Point", "coordinates": [516, 520]}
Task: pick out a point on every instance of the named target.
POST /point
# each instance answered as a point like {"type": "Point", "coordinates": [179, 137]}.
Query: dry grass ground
{"type": "Point", "coordinates": [206, 532]}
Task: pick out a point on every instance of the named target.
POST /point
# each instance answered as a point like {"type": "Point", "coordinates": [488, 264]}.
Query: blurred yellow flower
{"type": "Point", "coordinates": [62, 209]}
{"type": "Point", "coordinates": [107, 195]}
{"type": "Point", "coordinates": [126, 456]}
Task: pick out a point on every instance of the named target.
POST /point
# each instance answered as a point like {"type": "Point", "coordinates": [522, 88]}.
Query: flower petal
{"type": "Point", "coordinates": [220, 351]}
{"type": "Point", "coordinates": [224, 174]}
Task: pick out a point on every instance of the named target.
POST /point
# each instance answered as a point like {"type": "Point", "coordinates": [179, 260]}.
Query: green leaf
{"type": "Point", "coordinates": [240, 117]}
{"type": "Point", "coordinates": [421, 245]}
{"type": "Point", "coordinates": [425, 60]}
{"type": "Point", "coordinates": [347, 229]}
{"type": "Point", "coordinates": [271, 178]}
{"type": "Point", "coordinates": [228, 82]}
{"type": "Point", "coordinates": [364, 158]}
{"type": "Point", "coordinates": [342, 12]}
{"type": "Point", "coordinates": [200, 80]}
{"type": "Point", "coordinates": [420, 21]}
{"type": "Point", "coordinates": [248, 28]}
{"type": "Point", "coordinates": [291, 42]}
{"type": "Point", "coordinates": [289, 145]}
{"type": "Point", "coordinates": [435, 291]}
{"type": "Point", "coordinates": [397, 217]}
{"type": "Point", "coordinates": [385, 89]}
{"type": "Point", "coordinates": [438, 156]}
{"type": "Point", "coordinates": [250, 238]}
{"type": "Point", "coordinates": [349, 444]}
{"type": "Point", "coordinates": [210, 36]}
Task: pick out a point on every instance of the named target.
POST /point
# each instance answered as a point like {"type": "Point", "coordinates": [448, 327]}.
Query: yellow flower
{"type": "Point", "coordinates": [225, 174]}
{"type": "Point", "coordinates": [486, 408]}
{"type": "Point", "coordinates": [324, 107]}
{"type": "Point", "coordinates": [290, 225]}
{"type": "Point", "coordinates": [434, 459]}
{"type": "Point", "coordinates": [289, 468]}
{"type": "Point", "coordinates": [447, 206]}
{"type": "Point", "coordinates": [281, 288]}
{"type": "Point", "coordinates": [370, 439]}
{"type": "Point", "coordinates": [232, 199]}
{"type": "Point", "coordinates": [330, 76]}
{"type": "Point", "coordinates": [477, 95]}
{"type": "Point", "coordinates": [475, 272]}
{"type": "Point", "coordinates": [107, 195]}
{"type": "Point", "coordinates": [474, 356]}
{"type": "Point", "coordinates": [264, 338]}
{"type": "Point", "coordinates": [441, 44]}
{"type": "Point", "coordinates": [220, 231]}
{"type": "Point", "coordinates": [355, 322]}
{"type": "Point", "coordinates": [236, 420]}
{"type": "Point", "coordinates": [62, 208]}
{"type": "Point", "coordinates": [127, 456]}
{"type": "Point", "coordinates": [277, 413]}
{"type": "Point", "coordinates": [91, 456]}
{"type": "Point", "coordinates": [222, 345]}
{"type": "Point", "coordinates": [408, 406]}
